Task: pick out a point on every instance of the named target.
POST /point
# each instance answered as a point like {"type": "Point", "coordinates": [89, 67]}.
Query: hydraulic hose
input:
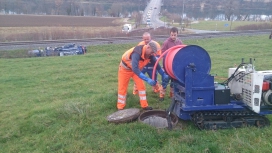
{"type": "Point", "coordinates": [158, 60]}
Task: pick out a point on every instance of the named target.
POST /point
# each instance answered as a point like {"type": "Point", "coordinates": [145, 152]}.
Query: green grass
{"type": "Point", "coordinates": [14, 54]}
{"type": "Point", "coordinates": [60, 104]}
{"type": "Point", "coordinates": [221, 25]}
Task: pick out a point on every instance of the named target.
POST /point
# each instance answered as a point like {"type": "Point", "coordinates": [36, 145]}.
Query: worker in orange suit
{"type": "Point", "coordinates": [130, 66]}
{"type": "Point", "coordinates": [149, 67]}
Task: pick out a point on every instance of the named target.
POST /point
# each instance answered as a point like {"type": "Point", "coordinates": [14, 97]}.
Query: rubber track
{"type": "Point", "coordinates": [213, 120]}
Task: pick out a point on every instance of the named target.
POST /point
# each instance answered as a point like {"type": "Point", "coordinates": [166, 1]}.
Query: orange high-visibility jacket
{"type": "Point", "coordinates": [126, 58]}
{"type": "Point", "coordinates": [158, 53]}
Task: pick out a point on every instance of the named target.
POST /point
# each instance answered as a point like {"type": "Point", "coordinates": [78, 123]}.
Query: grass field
{"type": "Point", "coordinates": [227, 25]}
{"type": "Point", "coordinates": [60, 104]}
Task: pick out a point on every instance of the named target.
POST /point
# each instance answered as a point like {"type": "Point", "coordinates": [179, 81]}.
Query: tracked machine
{"type": "Point", "coordinates": [241, 100]}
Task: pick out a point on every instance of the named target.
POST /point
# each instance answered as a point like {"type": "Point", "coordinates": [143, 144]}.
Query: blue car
{"type": "Point", "coordinates": [68, 49]}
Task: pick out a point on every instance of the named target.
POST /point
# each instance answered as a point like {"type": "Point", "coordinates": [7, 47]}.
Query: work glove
{"type": "Point", "coordinates": [165, 77]}
{"type": "Point", "coordinates": [151, 82]}
{"type": "Point", "coordinates": [165, 83]}
{"type": "Point", "coordinates": [148, 80]}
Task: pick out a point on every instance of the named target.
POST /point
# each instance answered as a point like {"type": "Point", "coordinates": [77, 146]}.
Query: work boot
{"type": "Point", "coordinates": [120, 109]}
{"type": "Point", "coordinates": [171, 94]}
{"type": "Point", "coordinates": [162, 93]}
{"type": "Point", "coordinates": [148, 108]}
{"type": "Point", "coordinates": [135, 90]}
{"type": "Point", "coordinates": [156, 88]}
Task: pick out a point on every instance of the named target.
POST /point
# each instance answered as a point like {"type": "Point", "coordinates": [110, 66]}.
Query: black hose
{"type": "Point", "coordinates": [168, 113]}
{"type": "Point", "coordinates": [226, 82]}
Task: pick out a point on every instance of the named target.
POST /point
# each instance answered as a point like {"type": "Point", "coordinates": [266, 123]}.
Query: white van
{"type": "Point", "coordinates": [126, 28]}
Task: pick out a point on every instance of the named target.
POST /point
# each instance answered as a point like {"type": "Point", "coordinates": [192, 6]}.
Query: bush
{"type": "Point", "coordinates": [254, 27]}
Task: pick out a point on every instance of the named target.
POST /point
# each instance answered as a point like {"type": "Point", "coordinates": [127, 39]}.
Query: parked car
{"type": "Point", "coordinates": [68, 49]}
{"type": "Point", "coordinates": [50, 51]}
{"type": "Point", "coordinates": [36, 53]}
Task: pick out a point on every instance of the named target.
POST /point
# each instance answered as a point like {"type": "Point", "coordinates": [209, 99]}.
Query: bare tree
{"type": "Point", "coordinates": [231, 7]}
{"type": "Point", "coordinates": [58, 5]}
{"type": "Point", "coordinates": [174, 17]}
{"type": "Point", "coordinates": [99, 9]}
{"type": "Point", "coordinates": [269, 5]}
{"type": "Point", "coordinates": [137, 17]}
{"type": "Point", "coordinates": [68, 8]}
{"type": "Point", "coordinates": [126, 14]}
{"type": "Point", "coordinates": [116, 10]}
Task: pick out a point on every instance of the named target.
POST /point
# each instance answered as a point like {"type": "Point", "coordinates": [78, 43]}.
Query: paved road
{"type": "Point", "coordinates": [152, 12]}
{"type": "Point", "coordinates": [201, 31]}
{"type": "Point", "coordinates": [153, 9]}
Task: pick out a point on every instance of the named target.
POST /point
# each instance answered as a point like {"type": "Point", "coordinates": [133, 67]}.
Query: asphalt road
{"type": "Point", "coordinates": [153, 8]}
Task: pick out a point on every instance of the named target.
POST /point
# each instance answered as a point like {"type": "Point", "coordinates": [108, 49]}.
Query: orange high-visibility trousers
{"type": "Point", "coordinates": [124, 76]}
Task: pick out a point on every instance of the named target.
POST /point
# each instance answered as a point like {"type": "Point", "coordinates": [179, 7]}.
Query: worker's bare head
{"type": "Point", "coordinates": [174, 33]}
{"type": "Point", "coordinates": [151, 48]}
{"type": "Point", "coordinates": [146, 37]}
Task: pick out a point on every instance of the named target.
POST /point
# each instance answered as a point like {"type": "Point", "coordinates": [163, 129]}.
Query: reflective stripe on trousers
{"type": "Point", "coordinates": [122, 99]}
{"type": "Point", "coordinates": [123, 81]}
{"type": "Point", "coordinates": [142, 94]}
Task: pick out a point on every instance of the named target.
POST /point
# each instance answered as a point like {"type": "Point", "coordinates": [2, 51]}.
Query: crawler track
{"type": "Point", "coordinates": [213, 120]}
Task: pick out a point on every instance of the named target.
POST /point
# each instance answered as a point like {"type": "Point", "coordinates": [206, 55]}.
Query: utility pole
{"type": "Point", "coordinates": [164, 15]}
{"type": "Point", "coordinates": [182, 28]}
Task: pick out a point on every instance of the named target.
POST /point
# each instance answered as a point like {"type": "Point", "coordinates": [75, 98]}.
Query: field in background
{"type": "Point", "coordinates": [65, 27]}
{"type": "Point", "coordinates": [60, 104]}
{"type": "Point", "coordinates": [8, 34]}
{"type": "Point", "coordinates": [57, 21]}
{"type": "Point", "coordinates": [229, 26]}
{"type": "Point", "coordinates": [37, 27]}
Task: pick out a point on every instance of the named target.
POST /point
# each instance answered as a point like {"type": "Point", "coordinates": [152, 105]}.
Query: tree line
{"type": "Point", "coordinates": [126, 8]}
{"type": "Point", "coordinates": [241, 9]}
{"type": "Point", "coordinates": [113, 8]}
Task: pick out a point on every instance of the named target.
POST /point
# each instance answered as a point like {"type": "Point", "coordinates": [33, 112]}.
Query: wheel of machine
{"type": "Point", "coordinates": [124, 116]}
{"type": "Point", "coordinates": [227, 118]}
{"type": "Point", "coordinates": [262, 122]}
